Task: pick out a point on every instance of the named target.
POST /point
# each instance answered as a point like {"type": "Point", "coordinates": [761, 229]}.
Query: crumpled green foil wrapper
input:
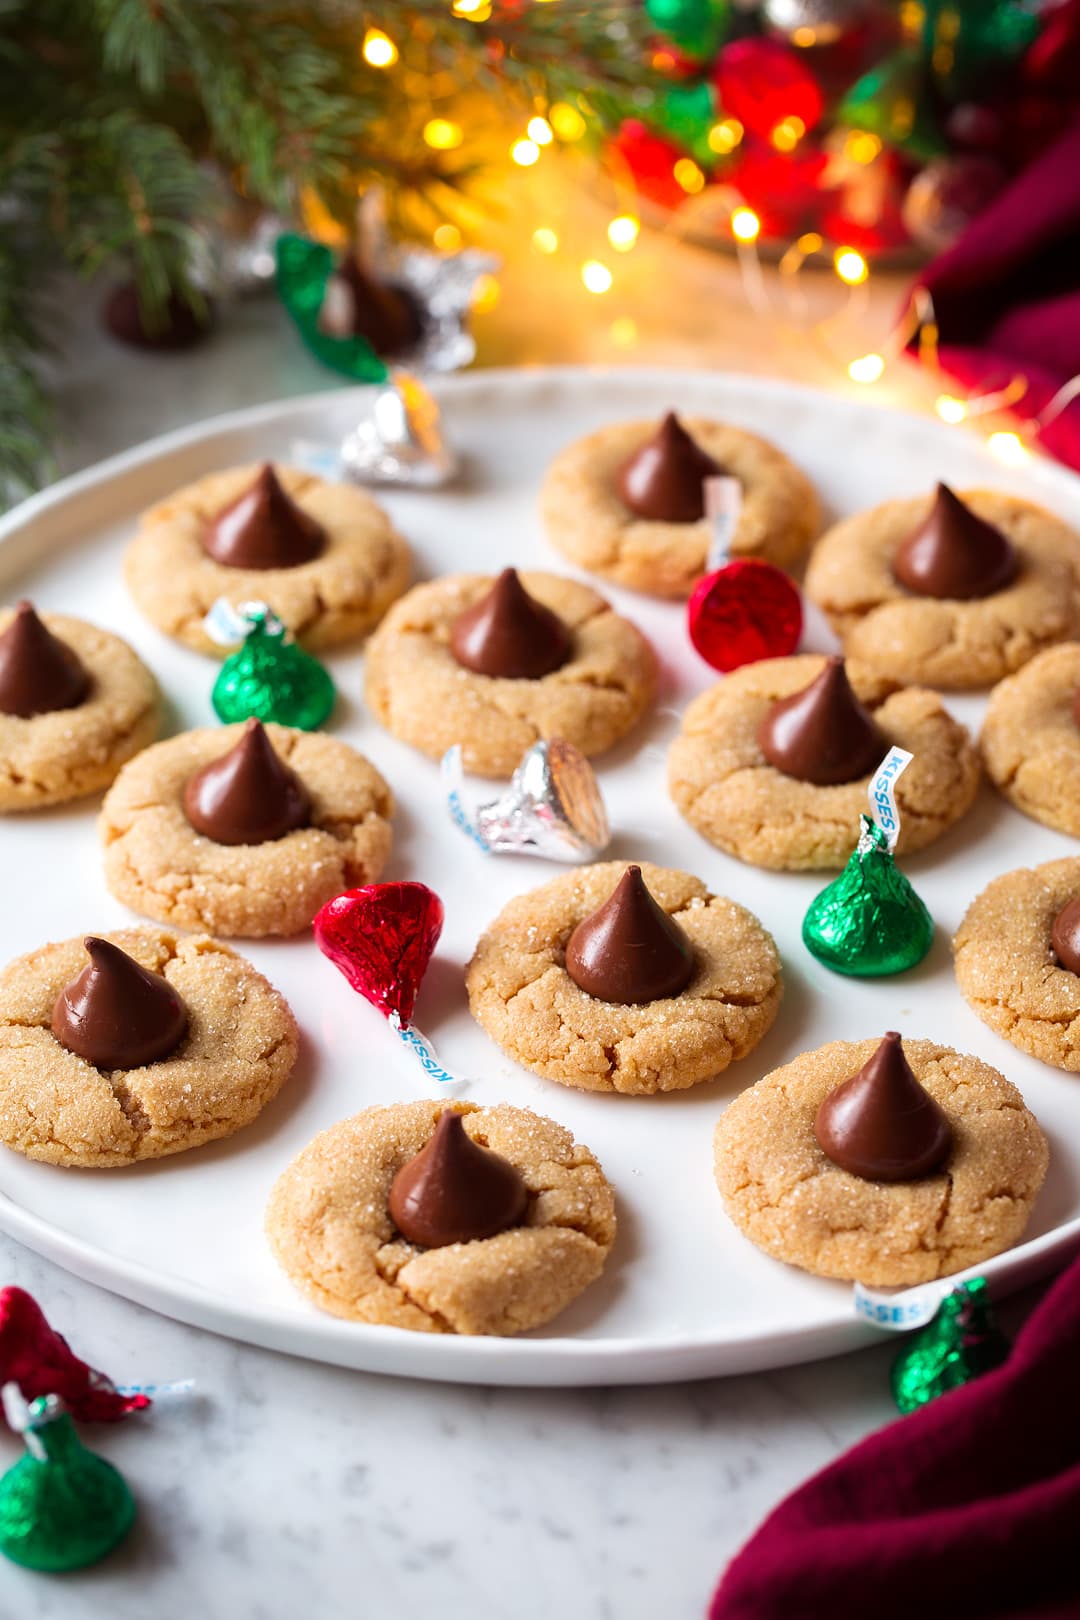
{"type": "Point", "coordinates": [961, 1343]}
{"type": "Point", "coordinates": [66, 1508]}
{"type": "Point", "coordinates": [869, 922]}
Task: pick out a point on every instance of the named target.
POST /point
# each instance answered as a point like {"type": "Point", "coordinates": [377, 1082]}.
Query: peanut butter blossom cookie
{"type": "Point", "coordinates": [325, 557]}
{"type": "Point", "coordinates": [628, 501]}
{"type": "Point", "coordinates": [630, 979]}
{"type": "Point", "coordinates": [443, 1220]}
{"type": "Point", "coordinates": [136, 1045]}
{"type": "Point", "coordinates": [773, 765]}
{"type": "Point", "coordinates": [75, 703]}
{"type": "Point", "coordinates": [497, 665]}
{"type": "Point", "coordinates": [953, 590]}
{"type": "Point", "coordinates": [884, 1162]}
{"type": "Point", "coordinates": [1017, 955]}
{"type": "Point", "coordinates": [1030, 738]}
{"type": "Point", "coordinates": [244, 829]}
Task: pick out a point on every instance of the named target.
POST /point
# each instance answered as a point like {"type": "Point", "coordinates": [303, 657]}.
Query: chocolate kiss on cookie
{"type": "Point", "coordinates": [822, 734]}
{"type": "Point", "coordinates": [356, 305]}
{"type": "Point", "coordinates": [248, 796]}
{"type": "Point", "coordinates": [509, 634]}
{"type": "Point", "coordinates": [116, 1014]}
{"type": "Point", "coordinates": [263, 528]}
{"type": "Point", "coordinates": [665, 477]}
{"type": "Point", "coordinates": [882, 1125]}
{"type": "Point", "coordinates": [39, 673]}
{"type": "Point", "coordinates": [955, 555]}
{"type": "Point", "coordinates": [1065, 936]}
{"type": "Point", "coordinates": [630, 950]}
{"type": "Point", "coordinates": [454, 1190]}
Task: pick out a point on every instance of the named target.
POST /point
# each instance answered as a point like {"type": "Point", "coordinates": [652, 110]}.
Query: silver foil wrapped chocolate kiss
{"type": "Point", "coordinates": [399, 439]}
{"type": "Point", "coordinates": [552, 808]}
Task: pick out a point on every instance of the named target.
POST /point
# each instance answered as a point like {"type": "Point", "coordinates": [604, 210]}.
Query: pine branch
{"type": "Point", "coordinates": [111, 109]}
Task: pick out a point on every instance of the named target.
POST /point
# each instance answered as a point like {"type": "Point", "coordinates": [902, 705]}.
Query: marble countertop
{"type": "Point", "coordinates": [287, 1487]}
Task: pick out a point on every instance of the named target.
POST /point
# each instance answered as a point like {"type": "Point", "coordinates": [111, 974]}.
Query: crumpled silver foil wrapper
{"type": "Point", "coordinates": [553, 807]}
{"type": "Point", "coordinates": [441, 285]}
{"type": "Point", "coordinates": [400, 439]}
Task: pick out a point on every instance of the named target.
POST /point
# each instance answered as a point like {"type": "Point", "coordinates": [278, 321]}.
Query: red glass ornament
{"type": "Point", "coordinates": [762, 82]}
{"type": "Point", "coordinates": [34, 1356]}
{"type": "Point", "coordinates": [651, 160]}
{"type": "Point", "coordinates": [381, 937]}
{"type": "Point", "coordinates": [746, 610]}
{"type": "Point", "coordinates": [783, 189]}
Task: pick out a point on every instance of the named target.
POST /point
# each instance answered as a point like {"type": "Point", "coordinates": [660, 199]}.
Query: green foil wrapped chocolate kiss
{"type": "Point", "coordinates": [271, 678]}
{"type": "Point", "coordinates": [61, 1506]}
{"type": "Point", "coordinates": [869, 922]}
{"type": "Point", "coordinates": [961, 1343]}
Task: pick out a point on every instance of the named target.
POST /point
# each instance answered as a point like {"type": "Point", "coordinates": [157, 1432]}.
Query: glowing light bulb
{"type": "Point", "coordinates": [688, 175]}
{"type": "Point", "coordinates": [545, 240]}
{"type": "Point", "coordinates": [850, 266]}
{"type": "Point", "coordinates": [525, 153]}
{"type": "Point", "coordinates": [787, 134]}
{"type": "Point", "coordinates": [378, 49]}
{"type": "Point", "coordinates": [566, 121]}
{"type": "Point", "coordinates": [622, 232]}
{"type": "Point", "coordinates": [725, 136]}
{"type": "Point", "coordinates": [862, 147]}
{"type": "Point", "coordinates": [1009, 448]}
{"type": "Point", "coordinates": [540, 131]}
{"type": "Point", "coordinates": [447, 238]}
{"type": "Point", "coordinates": [745, 225]}
{"type": "Point", "coordinates": [485, 294]}
{"type": "Point", "coordinates": [949, 408]}
{"type": "Point", "coordinates": [442, 134]}
{"type": "Point", "coordinates": [866, 369]}
{"type": "Point", "coordinates": [596, 276]}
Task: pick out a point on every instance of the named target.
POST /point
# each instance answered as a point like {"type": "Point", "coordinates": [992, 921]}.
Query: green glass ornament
{"type": "Point", "coordinates": [892, 102]}
{"type": "Point", "coordinates": [695, 26]}
{"type": "Point", "coordinates": [686, 113]}
{"type": "Point", "coordinates": [961, 1343]}
{"type": "Point", "coordinates": [967, 42]}
{"type": "Point", "coordinates": [61, 1507]}
{"type": "Point", "coordinates": [303, 269]}
{"type": "Point", "coordinates": [868, 922]}
{"type": "Point", "coordinates": [271, 678]}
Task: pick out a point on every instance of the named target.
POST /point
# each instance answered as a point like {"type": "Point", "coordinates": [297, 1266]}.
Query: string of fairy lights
{"type": "Point", "coordinates": [783, 298]}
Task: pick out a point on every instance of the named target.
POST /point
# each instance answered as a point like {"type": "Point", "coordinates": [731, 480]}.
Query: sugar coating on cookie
{"type": "Point", "coordinates": [67, 753]}
{"type": "Point", "coordinates": [329, 1226]}
{"type": "Point", "coordinates": [240, 1047]}
{"type": "Point", "coordinates": [722, 783]}
{"type": "Point", "coordinates": [419, 691]}
{"type": "Point", "coordinates": [1030, 738]}
{"type": "Point", "coordinates": [1006, 967]}
{"type": "Point", "coordinates": [781, 1190]}
{"type": "Point", "coordinates": [953, 644]}
{"type": "Point", "coordinates": [159, 865]}
{"type": "Point", "coordinates": [340, 594]}
{"type": "Point", "coordinates": [586, 520]}
{"type": "Point", "coordinates": [520, 991]}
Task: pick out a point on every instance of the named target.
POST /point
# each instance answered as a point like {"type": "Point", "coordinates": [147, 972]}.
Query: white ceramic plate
{"type": "Point", "coordinates": [684, 1295]}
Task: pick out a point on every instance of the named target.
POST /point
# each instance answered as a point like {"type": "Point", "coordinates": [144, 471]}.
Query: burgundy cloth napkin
{"type": "Point", "coordinates": [1007, 294]}
{"type": "Point", "coordinates": [968, 1509]}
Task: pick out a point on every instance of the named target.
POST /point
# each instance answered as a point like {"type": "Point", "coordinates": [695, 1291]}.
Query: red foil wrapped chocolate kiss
{"type": "Point", "coordinates": [746, 610]}
{"type": "Point", "coordinates": [381, 937]}
{"type": "Point", "coordinates": [34, 1356]}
